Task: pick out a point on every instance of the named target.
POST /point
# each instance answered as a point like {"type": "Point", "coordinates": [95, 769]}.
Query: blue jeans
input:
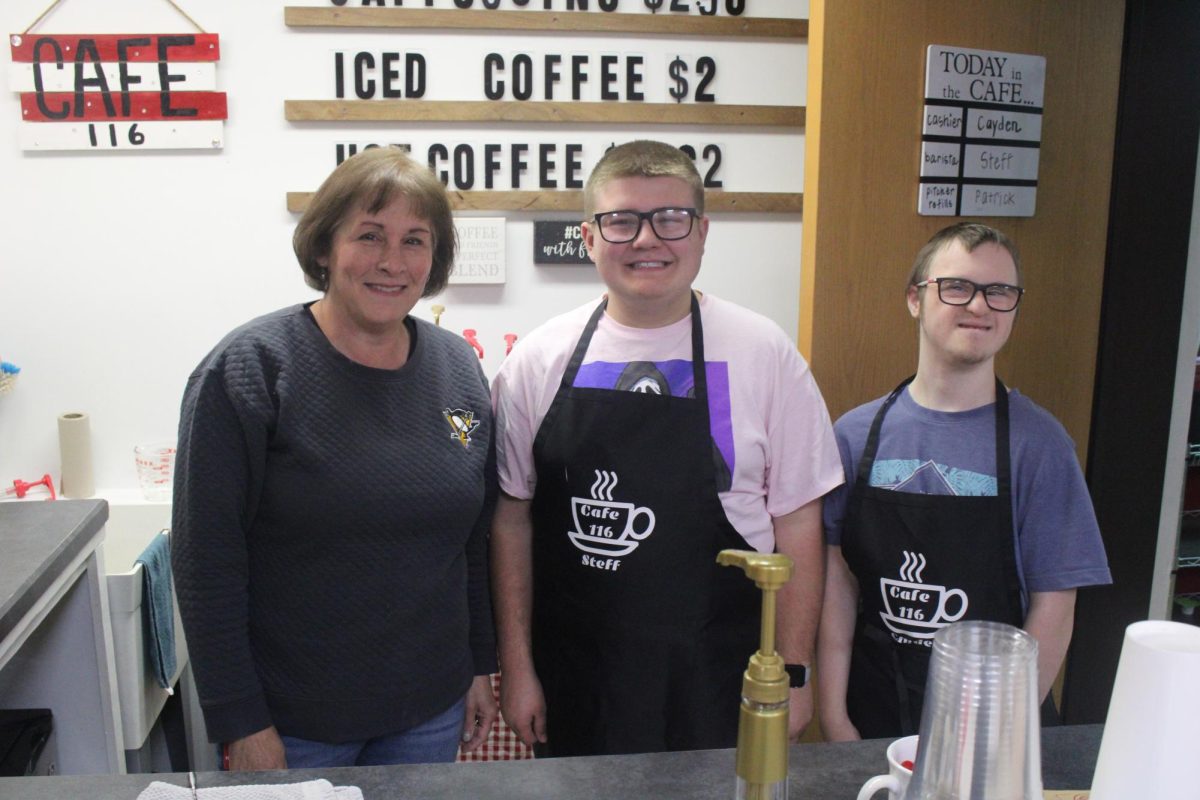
{"type": "Point", "coordinates": [430, 742]}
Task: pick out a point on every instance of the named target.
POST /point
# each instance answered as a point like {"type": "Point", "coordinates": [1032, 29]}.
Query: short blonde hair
{"type": "Point", "coordinates": [642, 158]}
{"type": "Point", "coordinates": [371, 180]}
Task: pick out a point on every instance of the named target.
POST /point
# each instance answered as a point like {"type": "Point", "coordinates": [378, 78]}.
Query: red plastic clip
{"type": "Point", "coordinates": [20, 487]}
{"type": "Point", "coordinates": [469, 335]}
{"type": "Point", "coordinates": [510, 339]}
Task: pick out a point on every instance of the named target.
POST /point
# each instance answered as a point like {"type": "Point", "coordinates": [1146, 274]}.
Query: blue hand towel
{"type": "Point", "coordinates": [158, 611]}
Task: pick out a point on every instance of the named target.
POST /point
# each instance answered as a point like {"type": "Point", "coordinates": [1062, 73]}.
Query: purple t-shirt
{"type": "Point", "coordinates": [922, 451]}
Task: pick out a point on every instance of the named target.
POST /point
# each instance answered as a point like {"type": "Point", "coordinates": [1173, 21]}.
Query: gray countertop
{"type": "Point", "coordinates": [816, 772]}
{"type": "Point", "coordinates": [38, 540]}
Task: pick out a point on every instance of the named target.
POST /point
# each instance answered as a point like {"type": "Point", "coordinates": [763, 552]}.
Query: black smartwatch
{"type": "Point", "coordinates": [797, 675]}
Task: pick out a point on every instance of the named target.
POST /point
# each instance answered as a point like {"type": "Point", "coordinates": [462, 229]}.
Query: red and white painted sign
{"type": "Point", "coordinates": [149, 91]}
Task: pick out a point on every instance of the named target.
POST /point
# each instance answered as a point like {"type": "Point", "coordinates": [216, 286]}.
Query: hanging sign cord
{"type": "Point", "coordinates": [195, 24]}
{"type": "Point", "coordinates": [42, 16]}
{"type": "Point", "coordinates": [55, 4]}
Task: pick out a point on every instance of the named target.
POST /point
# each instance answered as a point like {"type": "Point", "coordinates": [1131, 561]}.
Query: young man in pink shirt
{"type": "Point", "coordinates": [638, 436]}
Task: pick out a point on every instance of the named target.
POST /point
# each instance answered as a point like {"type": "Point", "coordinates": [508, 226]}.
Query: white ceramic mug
{"type": "Point", "coordinates": [896, 781]}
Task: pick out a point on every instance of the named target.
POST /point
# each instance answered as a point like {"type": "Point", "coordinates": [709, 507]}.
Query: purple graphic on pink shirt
{"type": "Point", "coordinates": [673, 378]}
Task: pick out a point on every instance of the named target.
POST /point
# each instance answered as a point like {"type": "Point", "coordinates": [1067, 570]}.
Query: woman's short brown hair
{"type": "Point", "coordinates": [371, 180]}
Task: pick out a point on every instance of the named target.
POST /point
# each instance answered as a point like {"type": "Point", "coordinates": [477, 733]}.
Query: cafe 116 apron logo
{"type": "Point", "coordinates": [148, 91]}
{"type": "Point", "coordinates": [607, 527]}
{"type": "Point", "coordinates": [916, 609]}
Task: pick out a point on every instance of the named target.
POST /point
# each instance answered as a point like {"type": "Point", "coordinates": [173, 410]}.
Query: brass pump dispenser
{"type": "Point", "coordinates": [762, 743]}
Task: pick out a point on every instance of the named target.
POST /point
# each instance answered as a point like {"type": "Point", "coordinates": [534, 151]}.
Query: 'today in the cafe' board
{"type": "Point", "coordinates": [981, 132]}
{"type": "Point", "coordinates": [150, 91]}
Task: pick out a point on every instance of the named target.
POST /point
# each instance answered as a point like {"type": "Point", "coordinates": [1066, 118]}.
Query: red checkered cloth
{"type": "Point", "coordinates": [502, 743]}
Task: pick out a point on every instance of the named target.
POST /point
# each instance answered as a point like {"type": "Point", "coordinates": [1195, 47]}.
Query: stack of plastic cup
{"type": "Point", "coordinates": [155, 464]}
{"type": "Point", "coordinates": [980, 734]}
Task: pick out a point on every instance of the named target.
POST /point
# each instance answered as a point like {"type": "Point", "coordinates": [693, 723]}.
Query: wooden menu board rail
{"type": "Point", "coordinates": [527, 21]}
{"type": "Point", "coordinates": [558, 200]}
{"type": "Point", "coordinates": [536, 111]}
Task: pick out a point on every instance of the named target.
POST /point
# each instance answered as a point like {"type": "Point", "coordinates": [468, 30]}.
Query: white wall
{"type": "Point", "coordinates": [120, 270]}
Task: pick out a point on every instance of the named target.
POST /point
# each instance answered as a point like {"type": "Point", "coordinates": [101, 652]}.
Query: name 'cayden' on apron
{"type": "Point", "coordinates": [639, 638]}
{"type": "Point", "coordinates": [922, 561]}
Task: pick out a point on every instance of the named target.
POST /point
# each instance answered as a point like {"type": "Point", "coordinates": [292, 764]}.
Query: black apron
{"type": "Point", "coordinates": [639, 638]}
{"type": "Point", "coordinates": [922, 561]}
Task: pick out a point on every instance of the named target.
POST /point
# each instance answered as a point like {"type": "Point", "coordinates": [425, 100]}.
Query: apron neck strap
{"type": "Point", "coordinates": [568, 378]}
{"type": "Point", "coordinates": [1003, 456]}
{"type": "Point", "coordinates": [868, 457]}
{"type": "Point", "coordinates": [699, 370]}
{"type": "Point", "coordinates": [699, 373]}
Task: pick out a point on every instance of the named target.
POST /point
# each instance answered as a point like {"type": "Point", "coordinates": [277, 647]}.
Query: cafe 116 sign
{"type": "Point", "coordinates": [149, 91]}
{"type": "Point", "coordinates": [982, 133]}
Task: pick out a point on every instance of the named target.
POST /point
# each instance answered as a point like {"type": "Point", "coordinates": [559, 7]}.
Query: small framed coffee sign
{"type": "Point", "coordinates": [558, 242]}
{"type": "Point", "coordinates": [481, 250]}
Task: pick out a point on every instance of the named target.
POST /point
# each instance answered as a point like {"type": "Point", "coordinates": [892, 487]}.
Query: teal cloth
{"type": "Point", "coordinates": [158, 611]}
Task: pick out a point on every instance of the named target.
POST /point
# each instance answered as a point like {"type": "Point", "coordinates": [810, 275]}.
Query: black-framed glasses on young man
{"type": "Point", "coordinates": [960, 292]}
{"type": "Point", "coordinates": [668, 224]}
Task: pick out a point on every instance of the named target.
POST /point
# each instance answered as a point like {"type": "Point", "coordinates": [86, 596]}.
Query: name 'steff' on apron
{"type": "Point", "coordinates": [640, 638]}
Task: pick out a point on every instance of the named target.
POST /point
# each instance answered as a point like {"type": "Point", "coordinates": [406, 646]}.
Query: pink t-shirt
{"type": "Point", "coordinates": [769, 422]}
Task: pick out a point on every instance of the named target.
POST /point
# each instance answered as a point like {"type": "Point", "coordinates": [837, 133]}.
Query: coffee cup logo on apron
{"type": "Point", "coordinates": [916, 609]}
{"type": "Point", "coordinates": [608, 527]}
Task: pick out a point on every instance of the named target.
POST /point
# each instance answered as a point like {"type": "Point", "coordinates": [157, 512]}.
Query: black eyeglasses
{"type": "Point", "coordinates": [668, 224]}
{"type": "Point", "coordinates": [960, 292]}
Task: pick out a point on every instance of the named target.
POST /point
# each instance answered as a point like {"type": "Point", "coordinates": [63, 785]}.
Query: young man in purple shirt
{"type": "Point", "coordinates": [963, 500]}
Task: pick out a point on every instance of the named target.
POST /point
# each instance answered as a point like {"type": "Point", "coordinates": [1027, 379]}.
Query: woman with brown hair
{"type": "Point", "coordinates": [334, 485]}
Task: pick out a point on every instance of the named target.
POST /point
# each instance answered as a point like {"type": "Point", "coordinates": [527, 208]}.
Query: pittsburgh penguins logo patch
{"type": "Point", "coordinates": [462, 424]}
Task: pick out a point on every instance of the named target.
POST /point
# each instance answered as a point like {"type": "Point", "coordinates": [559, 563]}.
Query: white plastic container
{"type": "Point", "coordinates": [1153, 723]}
{"type": "Point", "coordinates": [129, 530]}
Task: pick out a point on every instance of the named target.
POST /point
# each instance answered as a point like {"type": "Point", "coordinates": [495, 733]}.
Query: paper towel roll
{"type": "Point", "coordinates": [75, 447]}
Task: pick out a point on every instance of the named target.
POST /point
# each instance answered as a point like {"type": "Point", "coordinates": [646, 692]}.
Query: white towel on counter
{"type": "Point", "coordinates": [308, 790]}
